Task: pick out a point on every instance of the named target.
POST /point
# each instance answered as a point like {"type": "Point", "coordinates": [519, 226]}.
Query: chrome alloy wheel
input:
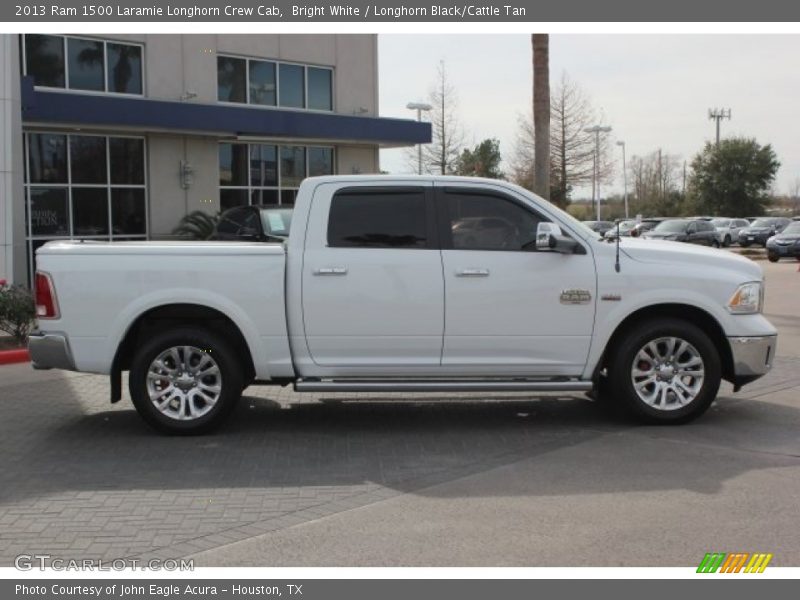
{"type": "Point", "coordinates": [184, 382]}
{"type": "Point", "coordinates": [667, 373]}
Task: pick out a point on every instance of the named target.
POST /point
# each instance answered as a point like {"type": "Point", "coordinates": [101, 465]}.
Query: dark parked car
{"type": "Point", "coordinates": [692, 231]}
{"type": "Point", "coordinates": [761, 230]}
{"type": "Point", "coordinates": [599, 226]}
{"type": "Point", "coordinates": [785, 244]}
{"type": "Point", "coordinates": [256, 223]}
{"type": "Point", "coordinates": [646, 224]}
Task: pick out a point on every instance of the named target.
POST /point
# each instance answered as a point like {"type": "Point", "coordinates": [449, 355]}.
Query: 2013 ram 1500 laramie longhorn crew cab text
{"type": "Point", "coordinates": [405, 284]}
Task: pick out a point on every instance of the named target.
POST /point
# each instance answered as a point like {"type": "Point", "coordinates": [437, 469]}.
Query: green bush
{"type": "Point", "coordinates": [17, 311]}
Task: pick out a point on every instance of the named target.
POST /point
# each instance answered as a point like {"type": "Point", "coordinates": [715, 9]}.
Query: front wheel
{"type": "Point", "coordinates": [666, 371]}
{"type": "Point", "coordinates": [773, 257]}
{"type": "Point", "coordinates": [727, 241]}
{"type": "Point", "coordinates": [715, 244]}
{"type": "Point", "coordinates": [185, 381]}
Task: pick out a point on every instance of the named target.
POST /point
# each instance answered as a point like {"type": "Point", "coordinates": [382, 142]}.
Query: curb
{"type": "Point", "coordinates": [10, 357]}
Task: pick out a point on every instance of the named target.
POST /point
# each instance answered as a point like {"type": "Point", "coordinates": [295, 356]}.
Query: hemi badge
{"type": "Point", "coordinates": [611, 297]}
{"type": "Point", "coordinates": [575, 297]}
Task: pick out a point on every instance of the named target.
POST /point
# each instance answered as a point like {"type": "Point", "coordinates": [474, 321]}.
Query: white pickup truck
{"type": "Point", "coordinates": [405, 284]}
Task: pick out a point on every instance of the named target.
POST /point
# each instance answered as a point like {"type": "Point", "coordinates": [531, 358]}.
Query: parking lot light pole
{"type": "Point", "coordinates": [419, 107]}
{"type": "Point", "coordinates": [597, 130]}
{"type": "Point", "coordinates": [624, 176]}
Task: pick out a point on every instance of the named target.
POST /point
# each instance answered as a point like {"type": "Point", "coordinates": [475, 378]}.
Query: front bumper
{"type": "Point", "coordinates": [784, 250]}
{"type": "Point", "coordinates": [752, 356]}
{"type": "Point", "coordinates": [50, 351]}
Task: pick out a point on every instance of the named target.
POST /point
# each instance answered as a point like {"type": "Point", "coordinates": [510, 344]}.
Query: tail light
{"type": "Point", "coordinates": [46, 303]}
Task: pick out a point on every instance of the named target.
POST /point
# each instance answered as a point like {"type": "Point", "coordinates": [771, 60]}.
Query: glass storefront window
{"type": "Point", "coordinates": [262, 82]}
{"type": "Point", "coordinates": [45, 59]}
{"type": "Point", "coordinates": [89, 212]}
{"type": "Point", "coordinates": [47, 160]}
{"type": "Point", "coordinates": [320, 95]}
{"type": "Point", "coordinates": [128, 211]}
{"type": "Point", "coordinates": [127, 160]}
{"type": "Point", "coordinates": [291, 86]}
{"type": "Point", "coordinates": [124, 68]}
{"type": "Point", "coordinates": [49, 211]}
{"type": "Point", "coordinates": [263, 165]}
{"type": "Point", "coordinates": [87, 156]}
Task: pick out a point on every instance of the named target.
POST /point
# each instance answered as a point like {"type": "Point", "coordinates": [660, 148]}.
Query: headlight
{"type": "Point", "coordinates": [747, 299]}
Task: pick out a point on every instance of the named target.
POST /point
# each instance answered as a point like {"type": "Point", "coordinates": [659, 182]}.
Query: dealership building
{"type": "Point", "coordinates": [118, 137]}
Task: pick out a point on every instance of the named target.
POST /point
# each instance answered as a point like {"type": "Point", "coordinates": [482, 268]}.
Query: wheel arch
{"type": "Point", "coordinates": [177, 315]}
{"type": "Point", "coordinates": [684, 312]}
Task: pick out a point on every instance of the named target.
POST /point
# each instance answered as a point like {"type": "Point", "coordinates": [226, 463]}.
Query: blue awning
{"type": "Point", "coordinates": [109, 111]}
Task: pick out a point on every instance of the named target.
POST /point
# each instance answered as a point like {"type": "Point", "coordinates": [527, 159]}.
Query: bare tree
{"type": "Point", "coordinates": [657, 182]}
{"type": "Point", "coordinates": [447, 135]}
{"type": "Point", "coordinates": [540, 43]}
{"type": "Point", "coordinates": [571, 148]}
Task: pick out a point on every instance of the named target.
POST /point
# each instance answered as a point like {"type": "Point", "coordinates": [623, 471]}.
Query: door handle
{"type": "Point", "coordinates": [331, 271]}
{"type": "Point", "coordinates": [472, 273]}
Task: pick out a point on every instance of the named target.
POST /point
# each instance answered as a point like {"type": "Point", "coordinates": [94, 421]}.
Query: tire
{"type": "Point", "coordinates": [773, 257]}
{"type": "Point", "coordinates": [727, 241]}
{"type": "Point", "coordinates": [715, 244]}
{"type": "Point", "coordinates": [210, 387]}
{"type": "Point", "coordinates": [664, 408]}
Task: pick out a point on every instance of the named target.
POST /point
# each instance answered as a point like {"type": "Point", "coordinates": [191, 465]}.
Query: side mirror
{"type": "Point", "coordinates": [550, 237]}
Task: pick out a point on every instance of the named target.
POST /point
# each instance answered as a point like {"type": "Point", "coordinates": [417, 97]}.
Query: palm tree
{"type": "Point", "coordinates": [540, 43]}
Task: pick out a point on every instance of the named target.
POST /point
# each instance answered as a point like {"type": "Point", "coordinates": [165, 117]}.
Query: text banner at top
{"type": "Point", "coordinates": [406, 11]}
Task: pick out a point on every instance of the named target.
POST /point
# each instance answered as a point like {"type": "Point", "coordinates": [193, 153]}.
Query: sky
{"type": "Point", "coordinates": [654, 90]}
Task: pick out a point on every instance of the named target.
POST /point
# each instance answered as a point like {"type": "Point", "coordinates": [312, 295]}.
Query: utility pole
{"type": "Point", "coordinates": [717, 114]}
{"type": "Point", "coordinates": [624, 176]}
{"type": "Point", "coordinates": [597, 130]}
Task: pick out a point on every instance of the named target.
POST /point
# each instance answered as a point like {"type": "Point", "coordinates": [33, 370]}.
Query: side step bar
{"type": "Point", "coordinates": [438, 385]}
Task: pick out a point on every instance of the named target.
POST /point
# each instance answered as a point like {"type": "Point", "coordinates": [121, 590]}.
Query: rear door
{"type": "Point", "coordinates": [373, 294]}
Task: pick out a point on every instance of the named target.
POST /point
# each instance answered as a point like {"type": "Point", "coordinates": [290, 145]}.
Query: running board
{"type": "Point", "coordinates": [399, 385]}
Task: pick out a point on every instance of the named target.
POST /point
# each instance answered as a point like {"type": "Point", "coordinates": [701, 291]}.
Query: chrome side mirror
{"type": "Point", "coordinates": [549, 237]}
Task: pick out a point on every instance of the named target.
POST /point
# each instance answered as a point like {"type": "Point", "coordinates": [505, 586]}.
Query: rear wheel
{"type": "Point", "coordinates": [773, 257]}
{"type": "Point", "coordinates": [185, 381]}
{"type": "Point", "coordinates": [666, 371]}
{"type": "Point", "coordinates": [715, 244]}
{"type": "Point", "coordinates": [727, 241]}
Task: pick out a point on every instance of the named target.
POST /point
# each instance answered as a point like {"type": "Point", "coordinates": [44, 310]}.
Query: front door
{"type": "Point", "coordinates": [509, 308]}
{"type": "Point", "coordinates": [373, 294]}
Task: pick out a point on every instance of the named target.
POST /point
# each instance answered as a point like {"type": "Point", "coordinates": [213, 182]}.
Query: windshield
{"type": "Point", "coordinates": [720, 222]}
{"type": "Point", "coordinates": [792, 228]}
{"type": "Point", "coordinates": [277, 221]}
{"type": "Point", "coordinates": [762, 223]}
{"type": "Point", "coordinates": [671, 226]}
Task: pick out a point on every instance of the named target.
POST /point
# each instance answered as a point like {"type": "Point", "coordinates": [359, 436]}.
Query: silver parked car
{"type": "Point", "coordinates": [728, 229]}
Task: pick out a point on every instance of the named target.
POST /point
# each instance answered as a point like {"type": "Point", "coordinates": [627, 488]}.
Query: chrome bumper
{"type": "Point", "coordinates": [753, 356]}
{"type": "Point", "coordinates": [50, 351]}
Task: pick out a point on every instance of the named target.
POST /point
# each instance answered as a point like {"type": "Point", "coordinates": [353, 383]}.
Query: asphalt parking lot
{"type": "Point", "coordinates": [433, 480]}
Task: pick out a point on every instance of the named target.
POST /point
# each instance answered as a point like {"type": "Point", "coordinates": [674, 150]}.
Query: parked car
{"type": "Point", "coordinates": [256, 223]}
{"type": "Point", "coordinates": [692, 231]}
{"type": "Point", "coordinates": [761, 230]}
{"type": "Point", "coordinates": [599, 226]}
{"type": "Point", "coordinates": [625, 229]}
{"type": "Point", "coordinates": [728, 229]}
{"type": "Point", "coordinates": [373, 292]}
{"type": "Point", "coordinates": [646, 224]}
{"type": "Point", "coordinates": [785, 244]}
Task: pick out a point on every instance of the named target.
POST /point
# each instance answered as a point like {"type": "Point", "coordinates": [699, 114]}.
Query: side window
{"type": "Point", "coordinates": [691, 228]}
{"type": "Point", "coordinates": [488, 222]}
{"type": "Point", "coordinates": [364, 218]}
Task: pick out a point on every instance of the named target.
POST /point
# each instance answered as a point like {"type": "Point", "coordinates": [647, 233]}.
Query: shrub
{"type": "Point", "coordinates": [17, 311]}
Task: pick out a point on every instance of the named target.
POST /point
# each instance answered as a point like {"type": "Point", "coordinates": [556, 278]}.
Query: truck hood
{"type": "Point", "coordinates": [676, 253]}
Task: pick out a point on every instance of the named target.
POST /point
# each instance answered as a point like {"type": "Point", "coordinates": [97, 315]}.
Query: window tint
{"type": "Point", "coordinates": [230, 198]}
{"type": "Point", "coordinates": [89, 211]}
{"type": "Point", "coordinates": [124, 68]}
{"type": "Point", "coordinates": [233, 164]}
{"type": "Point", "coordinates": [49, 211]}
{"type": "Point", "coordinates": [378, 220]}
{"type": "Point", "coordinates": [232, 221]}
{"type": "Point", "coordinates": [48, 158]}
{"type": "Point", "coordinates": [486, 222]}
{"type": "Point", "coordinates": [231, 79]}
{"type": "Point", "coordinates": [262, 83]}
{"type": "Point", "coordinates": [44, 55]}
{"type": "Point", "coordinates": [128, 211]}
{"type": "Point", "coordinates": [127, 160]}
{"type": "Point", "coordinates": [319, 89]}
{"type": "Point", "coordinates": [320, 161]}
{"type": "Point", "coordinates": [293, 165]}
{"type": "Point", "coordinates": [86, 65]}
{"type": "Point", "coordinates": [292, 86]}
{"type": "Point", "coordinates": [263, 165]}
{"type": "Point", "coordinates": [87, 156]}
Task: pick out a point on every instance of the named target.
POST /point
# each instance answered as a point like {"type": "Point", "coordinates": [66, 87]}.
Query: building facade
{"type": "Point", "coordinates": [117, 138]}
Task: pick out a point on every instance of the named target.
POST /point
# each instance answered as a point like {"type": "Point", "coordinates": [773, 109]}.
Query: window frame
{"type": "Point", "coordinates": [277, 63]}
{"type": "Point", "coordinates": [68, 90]}
{"type": "Point", "coordinates": [69, 186]}
{"type": "Point", "coordinates": [279, 187]}
{"type": "Point", "coordinates": [445, 219]}
{"type": "Point", "coordinates": [431, 217]}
